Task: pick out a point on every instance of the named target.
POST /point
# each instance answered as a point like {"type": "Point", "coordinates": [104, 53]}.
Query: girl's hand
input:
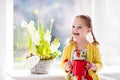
{"type": "Point", "coordinates": [91, 66]}
{"type": "Point", "coordinates": [68, 65]}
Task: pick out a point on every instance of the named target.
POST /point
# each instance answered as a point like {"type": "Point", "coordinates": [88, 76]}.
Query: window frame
{"type": "Point", "coordinates": [9, 35]}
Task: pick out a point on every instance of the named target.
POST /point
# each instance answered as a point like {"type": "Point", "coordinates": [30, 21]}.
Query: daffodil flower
{"type": "Point", "coordinates": [36, 11]}
{"type": "Point", "coordinates": [55, 45]}
{"type": "Point", "coordinates": [56, 41]}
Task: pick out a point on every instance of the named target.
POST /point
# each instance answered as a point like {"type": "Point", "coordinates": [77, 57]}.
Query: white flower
{"type": "Point", "coordinates": [32, 61]}
{"type": "Point", "coordinates": [31, 23]}
{"type": "Point", "coordinates": [38, 35]}
{"type": "Point", "coordinates": [52, 20]}
{"type": "Point", "coordinates": [31, 27]}
{"type": "Point", "coordinates": [33, 33]}
{"type": "Point", "coordinates": [35, 38]}
{"type": "Point", "coordinates": [47, 36]}
{"type": "Point", "coordinates": [23, 23]}
{"type": "Point", "coordinates": [54, 47]}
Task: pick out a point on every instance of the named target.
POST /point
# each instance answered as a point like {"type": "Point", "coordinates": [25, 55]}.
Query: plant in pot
{"type": "Point", "coordinates": [42, 50]}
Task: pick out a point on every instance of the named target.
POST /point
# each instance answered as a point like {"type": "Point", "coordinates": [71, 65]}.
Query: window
{"type": "Point", "coordinates": [105, 22]}
{"type": "Point", "coordinates": [60, 10]}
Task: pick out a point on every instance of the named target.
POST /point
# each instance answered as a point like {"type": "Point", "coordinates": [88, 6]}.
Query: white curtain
{"type": "Point", "coordinates": [106, 15]}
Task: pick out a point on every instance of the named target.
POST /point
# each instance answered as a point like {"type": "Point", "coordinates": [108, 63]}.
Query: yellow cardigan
{"type": "Point", "coordinates": [93, 55]}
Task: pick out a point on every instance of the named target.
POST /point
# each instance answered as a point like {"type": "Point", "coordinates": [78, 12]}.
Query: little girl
{"type": "Point", "coordinates": [81, 59]}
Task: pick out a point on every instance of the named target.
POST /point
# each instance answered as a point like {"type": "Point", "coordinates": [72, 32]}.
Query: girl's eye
{"type": "Point", "coordinates": [73, 26]}
{"type": "Point", "coordinates": [79, 27]}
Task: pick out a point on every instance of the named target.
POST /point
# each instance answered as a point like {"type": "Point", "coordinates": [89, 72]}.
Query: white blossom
{"type": "Point", "coordinates": [33, 33]}
{"type": "Point", "coordinates": [54, 47]}
{"type": "Point", "coordinates": [35, 38]}
{"type": "Point", "coordinates": [31, 27]}
{"type": "Point", "coordinates": [47, 36]}
{"type": "Point", "coordinates": [31, 23]}
{"type": "Point", "coordinates": [23, 23]}
{"type": "Point", "coordinates": [52, 20]}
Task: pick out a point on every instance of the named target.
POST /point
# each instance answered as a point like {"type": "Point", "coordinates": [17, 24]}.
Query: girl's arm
{"type": "Point", "coordinates": [64, 57]}
{"type": "Point", "coordinates": [66, 63]}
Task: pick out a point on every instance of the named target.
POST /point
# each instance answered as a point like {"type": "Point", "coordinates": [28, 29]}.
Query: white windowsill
{"type": "Point", "coordinates": [26, 75]}
{"type": "Point", "coordinates": [55, 74]}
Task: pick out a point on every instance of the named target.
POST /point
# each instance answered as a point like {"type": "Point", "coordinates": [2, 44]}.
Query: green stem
{"type": "Point", "coordinates": [30, 42]}
{"type": "Point", "coordinates": [51, 25]}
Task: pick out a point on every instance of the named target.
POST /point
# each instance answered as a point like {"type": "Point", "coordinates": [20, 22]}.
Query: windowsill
{"type": "Point", "coordinates": [56, 74]}
{"type": "Point", "coordinates": [106, 70]}
{"type": "Point", "coordinates": [26, 75]}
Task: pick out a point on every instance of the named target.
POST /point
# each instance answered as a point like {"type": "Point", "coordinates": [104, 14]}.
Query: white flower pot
{"type": "Point", "coordinates": [42, 67]}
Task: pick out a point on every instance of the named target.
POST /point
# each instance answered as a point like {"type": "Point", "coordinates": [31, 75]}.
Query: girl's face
{"type": "Point", "coordinates": [79, 29]}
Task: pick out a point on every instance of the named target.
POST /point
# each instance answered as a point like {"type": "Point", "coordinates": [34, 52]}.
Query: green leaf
{"type": "Point", "coordinates": [30, 42]}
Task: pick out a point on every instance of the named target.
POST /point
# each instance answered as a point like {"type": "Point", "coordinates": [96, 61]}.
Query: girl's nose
{"type": "Point", "coordinates": [75, 29]}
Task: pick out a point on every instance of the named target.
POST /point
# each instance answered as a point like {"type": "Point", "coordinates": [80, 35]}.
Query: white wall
{"type": "Point", "coordinates": [5, 41]}
{"type": "Point", "coordinates": [106, 15]}
{"type": "Point", "coordinates": [2, 37]}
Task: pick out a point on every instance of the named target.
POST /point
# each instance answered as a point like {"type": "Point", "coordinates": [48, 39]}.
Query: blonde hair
{"type": "Point", "coordinates": [88, 23]}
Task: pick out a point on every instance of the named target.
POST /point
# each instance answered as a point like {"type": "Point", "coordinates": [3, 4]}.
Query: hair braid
{"type": "Point", "coordinates": [95, 42]}
{"type": "Point", "coordinates": [71, 40]}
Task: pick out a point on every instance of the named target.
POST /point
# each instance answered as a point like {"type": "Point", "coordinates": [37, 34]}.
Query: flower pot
{"type": "Point", "coordinates": [42, 67]}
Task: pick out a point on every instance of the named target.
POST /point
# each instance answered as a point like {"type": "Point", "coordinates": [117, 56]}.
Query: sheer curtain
{"type": "Point", "coordinates": [112, 31]}
{"type": "Point", "coordinates": [106, 15]}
